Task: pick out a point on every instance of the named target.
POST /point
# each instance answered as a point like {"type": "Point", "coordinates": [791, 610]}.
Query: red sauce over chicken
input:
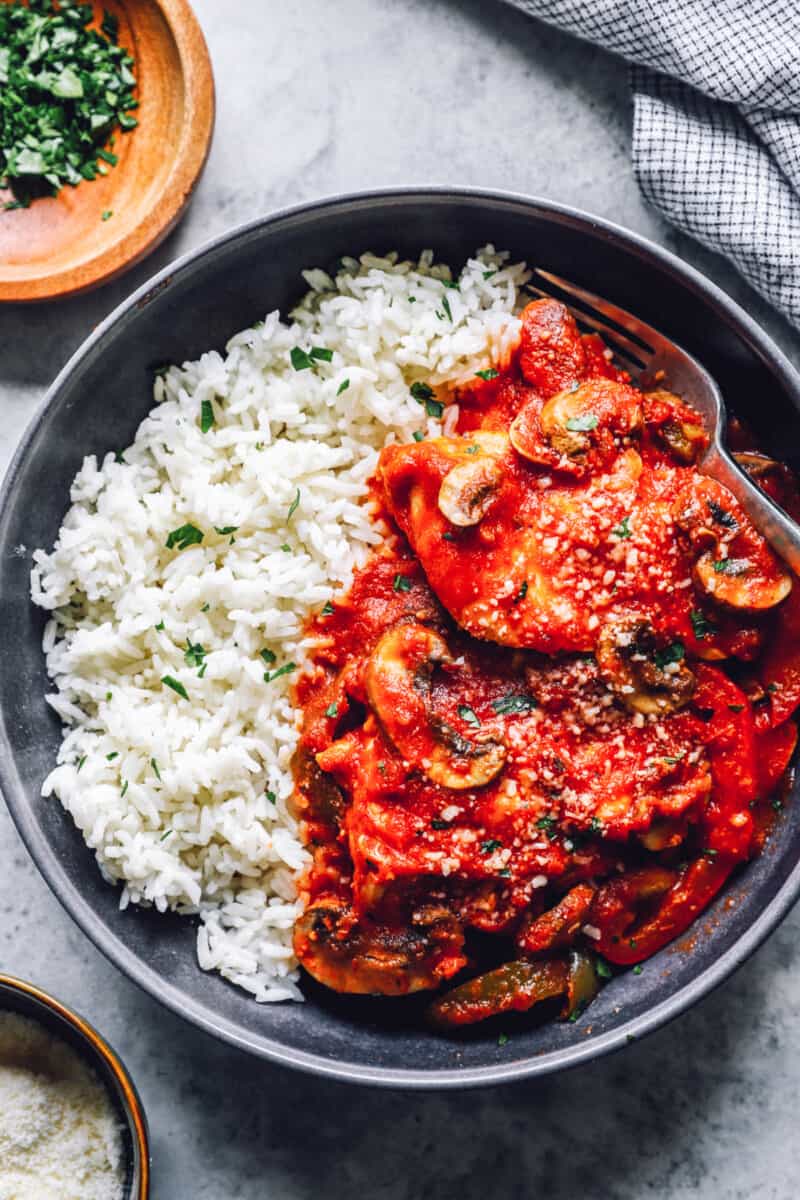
{"type": "Point", "coordinates": [554, 704]}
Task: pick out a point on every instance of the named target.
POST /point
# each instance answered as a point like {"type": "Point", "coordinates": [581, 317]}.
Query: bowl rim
{"type": "Point", "coordinates": [98, 1048]}
{"type": "Point", "coordinates": [111, 944]}
{"type": "Point", "coordinates": [184, 175]}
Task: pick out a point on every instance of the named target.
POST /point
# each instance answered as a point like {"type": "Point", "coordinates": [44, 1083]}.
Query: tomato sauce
{"type": "Point", "coordinates": [554, 703]}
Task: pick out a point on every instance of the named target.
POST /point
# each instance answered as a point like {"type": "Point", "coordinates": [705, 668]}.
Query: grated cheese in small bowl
{"type": "Point", "coordinates": [60, 1137]}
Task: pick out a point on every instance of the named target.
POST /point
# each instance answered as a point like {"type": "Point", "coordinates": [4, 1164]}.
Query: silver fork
{"type": "Point", "coordinates": [646, 351]}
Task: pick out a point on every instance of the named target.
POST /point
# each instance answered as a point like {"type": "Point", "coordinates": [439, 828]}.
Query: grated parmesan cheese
{"type": "Point", "coordinates": [59, 1136]}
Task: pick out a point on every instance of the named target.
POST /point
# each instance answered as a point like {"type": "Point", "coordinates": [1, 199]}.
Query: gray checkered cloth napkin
{"type": "Point", "coordinates": [716, 129]}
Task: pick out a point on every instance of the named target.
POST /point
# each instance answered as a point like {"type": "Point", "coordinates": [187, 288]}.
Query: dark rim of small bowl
{"type": "Point", "coordinates": [35, 1003]}
{"type": "Point", "coordinates": [152, 983]}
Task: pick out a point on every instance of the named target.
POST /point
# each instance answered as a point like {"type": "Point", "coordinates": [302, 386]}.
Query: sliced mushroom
{"type": "Point", "coordinates": [468, 490]}
{"type": "Point", "coordinates": [648, 677]}
{"type": "Point", "coordinates": [398, 684]}
{"type": "Point", "coordinates": [587, 415]}
{"type": "Point", "coordinates": [736, 567]}
{"type": "Point", "coordinates": [361, 957]}
{"type": "Point", "coordinates": [677, 425]}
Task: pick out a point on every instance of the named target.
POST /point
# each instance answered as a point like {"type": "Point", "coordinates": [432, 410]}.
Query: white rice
{"type": "Point", "coordinates": [186, 803]}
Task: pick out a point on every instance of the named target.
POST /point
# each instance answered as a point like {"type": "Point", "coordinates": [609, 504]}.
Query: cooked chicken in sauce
{"type": "Point", "coordinates": [555, 703]}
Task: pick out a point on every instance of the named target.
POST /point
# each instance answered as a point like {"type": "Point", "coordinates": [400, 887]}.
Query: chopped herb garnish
{"type": "Point", "coordinates": [434, 408]}
{"type": "Point", "coordinates": [81, 761]}
{"type": "Point", "coordinates": [206, 416]}
{"type": "Point", "coordinates": [418, 435]}
{"type": "Point", "coordinates": [124, 783]}
{"type": "Point", "coordinates": [421, 392]}
{"type": "Point", "coordinates": [467, 714]}
{"type": "Point", "coordinates": [119, 457]}
{"type": "Point", "coordinates": [176, 685]}
{"type": "Point", "coordinates": [489, 373]}
{"type": "Point", "coordinates": [503, 1039]}
{"type": "Point", "coordinates": [637, 970]}
{"type": "Point", "coordinates": [156, 771]}
{"type": "Point", "coordinates": [224, 530]}
{"type": "Point", "coordinates": [327, 609]}
{"type": "Point", "coordinates": [489, 274]}
{"type": "Point", "coordinates": [547, 823]}
{"type": "Point", "coordinates": [286, 548]}
{"type": "Point", "coordinates": [505, 873]}
{"type": "Point", "coordinates": [401, 584]}
{"type": "Point", "coordinates": [320, 353]}
{"type": "Point", "coordinates": [711, 853]}
{"type": "Point", "coordinates": [772, 688]}
{"type": "Point", "coordinates": [107, 215]}
{"type": "Point", "coordinates": [583, 423]}
{"type": "Point", "coordinates": [602, 968]}
{"type": "Point", "coordinates": [300, 360]}
{"type": "Point", "coordinates": [701, 626]}
{"type": "Point", "coordinates": [670, 654]}
{"type": "Point", "coordinates": [490, 846]}
{"type": "Point", "coordinates": [114, 754]}
{"type": "Point", "coordinates": [284, 670]}
{"type": "Point", "coordinates": [165, 835]}
{"type": "Point", "coordinates": [513, 703]}
{"type": "Point", "coordinates": [623, 531]}
{"type": "Point", "coordinates": [194, 654]}
{"type": "Point", "coordinates": [332, 710]}
{"type": "Point", "coordinates": [186, 535]}
{"type": "Point", "coordinates": [777, 804]}
{"type": "Point", "coordinates": [159, 627]}
{"type": "Point", "coordinates": [268, 657]}
{"type": "Point", "coordinates": [448, 536]}
{"type": "Point", "coordinates": [732, 566]}
{"type": "Point", "coordinates": [673, 759]}
{"type": "Point", "coordinates": [205, 608]}
{"type": "Point", "coordinates": [522, 593]}
{"type": "Point", "coordinates": [343, 386]}
{"type": "Point", "coordinates": [64, 88]}
{"type": "Point", "coordinates": [596, 825]}
{"type": "Point", "coordinates": [450, 283]}
{"type": "Point", "coordinates": [736, 708]}
{"type": "Point", "coordinates": [438, 823]}
{"type": "Point", "coordinates": [293, 505]}
{"type": "Point", "coordinates": [721, 516]}
{"type": "Point", "coordinates": [203, 670]}
{"type": "Point", "coordinates": [270, 796]}
{"type": "Point", "coordinates": [446, 307]}
{"type": "Point", "coordinates": [473, 449]}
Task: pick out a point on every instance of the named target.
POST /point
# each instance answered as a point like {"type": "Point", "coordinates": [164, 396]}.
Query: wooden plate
{"type": "Point", "coordinates": [62, 245]}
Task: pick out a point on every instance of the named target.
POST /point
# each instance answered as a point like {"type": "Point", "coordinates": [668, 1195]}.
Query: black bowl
{"type": "Point", "coordinates": [96, 404]}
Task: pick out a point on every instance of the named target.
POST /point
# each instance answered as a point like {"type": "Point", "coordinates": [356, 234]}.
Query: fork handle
{"type": "Point", "coordinates": [782, 533]}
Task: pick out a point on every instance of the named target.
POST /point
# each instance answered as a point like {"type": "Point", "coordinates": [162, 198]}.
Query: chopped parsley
{"type": "Point", "coordinates": [320, 353]}
{"type": "Point", "coordinates": [81, 761]}
{"type": "Point", "coordinates": [418, 435]}
{"type": "Point", "coordinates": [468, 714]}
{"type": "Point", "coordinates": [114, 754]}
{"type": "Point", "coordinates": [736, 708]}
{"type": "Point", "coordinates": [548, 824]}
{"type": "Point", "coordinates": [602, 968]}
{"type": "Point", "coordinates": [327, 609]}
{"type": "Point", "coordinates": [701, 626]}
{"type": "Point", "coordinates": [176, 685]}
{"type": "Point", "coordinates": [670, 654]}
{"type": "Point", "coordinates": [450, 283]}
{"type": "Point", "coordinates": [194, 654]}
{"type": "Point", "coordinates": [332, 710]}
{"type": "Point", "coordinates": [637, 970]}
{"type": "Point", "coordinates": [490, 846]}
{"type": "Point", "coordinates": [206, 416]}
{"type": "Point", "coordinates": [421, 392]}
{"type": "Point", "coordinates": [673, 759]}
{"type": "Point", "coordinates": [124, 788]}
{"type": "Point", "coordinates": [159, 628]}
{"type": "Point", "coordinates": [503, 1039]}
{"type": "Point", "coordinates": [293, 505]}
{"type": "Point", "coordinates": [489, 274]}
{"type": "Point", "coordinates": [64, 89]}
{"type": "Point", "coordinates": [186, 535]}
{"type": "Point", "coordinates": [448, 536]}
{"type": "Point", "coordinates": [343, 386]}
{"type": "Point", "coordinates": [284, 670]}
{"type": "Point", "coordinates": [446, 308]}
{"type": "Point", "coordinates": [401, 584]}
{"type": "Point", "coordinates": [224, 530]}
{"type": "Point", "coordinates": [732, 566]}
{"type": "Point", "coordinates": [522, 593]}
{"type": "Point", "coordinates": [286, 548]}
{"type": "Point", "coordinates": [268, 656]}
{"type": "Point", "coordinates": [514, 702]}
{"type": "Point", "coordinates": [301, 361]}
{"type": "Point", "coordinates": [623, 531]}
{"type": "Point", "coordinates": [107, 215]}
{"type": "Point", "coordinates": [473, 449]}
{"type": "Point", "coordinates": [165, 835]}
{"type": "Point", "coordinates": [489, 373]}
{"type": "Point", "coordinates": [270, 796]}
{"type": "Point", "coordinates": [156, 771]}
{"type": "Point", "coordinates": [583, 423]}
{"type": "Point", "coordinates": [721, 516]}
{"type": "Point", "coordinates": [438, 824]}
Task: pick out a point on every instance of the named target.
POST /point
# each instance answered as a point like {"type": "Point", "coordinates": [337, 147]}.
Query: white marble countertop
{"type": "Point", "coordinates": [316, 98]}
